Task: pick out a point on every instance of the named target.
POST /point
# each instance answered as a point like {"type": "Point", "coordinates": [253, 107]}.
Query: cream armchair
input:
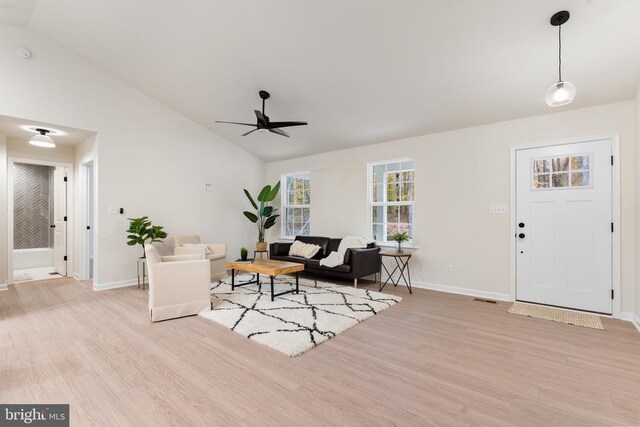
{"type": "Point", "coordinates": [214, 252]}
{"type": "Point", "coordinates": [178, 285]}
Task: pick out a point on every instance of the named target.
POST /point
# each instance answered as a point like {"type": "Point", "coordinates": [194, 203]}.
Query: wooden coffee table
{"type": "Point", "coordinates": [270, 267]}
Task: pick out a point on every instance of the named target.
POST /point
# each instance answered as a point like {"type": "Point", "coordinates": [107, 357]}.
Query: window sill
{"type": "Point", "coordinates": [395, 245]}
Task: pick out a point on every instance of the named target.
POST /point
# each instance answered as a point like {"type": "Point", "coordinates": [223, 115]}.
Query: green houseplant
{"type": "Point", "coordinates": [244, 252]}
{"type": "Point", "coordinates": [265, 215]}
{"type": "Point", "coordinates": [400, 237]}
{"type": "Point", "coordinates": [142, 231]}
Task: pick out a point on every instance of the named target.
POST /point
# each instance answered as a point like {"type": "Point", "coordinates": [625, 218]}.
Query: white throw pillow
{"type": "Point", "coordinates": [306, 250]}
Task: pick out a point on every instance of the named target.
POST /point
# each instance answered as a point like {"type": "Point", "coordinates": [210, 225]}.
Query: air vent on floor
{"type": "Point", "coordinates": [490, 301]}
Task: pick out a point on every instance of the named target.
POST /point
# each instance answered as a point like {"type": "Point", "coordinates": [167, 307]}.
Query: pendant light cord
{"type": "Point", "coordinates": [559, 53]}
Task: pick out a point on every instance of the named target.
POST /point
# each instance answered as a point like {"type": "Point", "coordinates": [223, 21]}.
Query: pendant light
{"type": "Point", "coordinates": [42, 140]}
{"type": "Point", "coordinates": [562, 92]}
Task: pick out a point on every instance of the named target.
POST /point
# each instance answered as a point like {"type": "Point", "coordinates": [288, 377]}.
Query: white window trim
{"type": "Point", "coordinates": [370, 203]}
{"type": "Point", "coordinates": [284, 203]}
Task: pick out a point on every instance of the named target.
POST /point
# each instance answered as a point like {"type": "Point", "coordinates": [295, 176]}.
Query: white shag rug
{"type": "Point", "coordinates": [293, 323]}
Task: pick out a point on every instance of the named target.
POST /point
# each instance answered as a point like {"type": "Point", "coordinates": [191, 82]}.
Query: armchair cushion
{"type": "Point", "coordinates": [185, 239]}
{"type": "Point", "coordinates": [207, 251]}
{"type": "Point", "coordinates": [173, 258]}
{"type": "Point", "coordinates": [215, 253]}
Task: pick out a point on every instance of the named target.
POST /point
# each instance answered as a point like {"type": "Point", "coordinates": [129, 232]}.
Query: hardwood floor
{"type": "Point", "coordinates": [435, 358]}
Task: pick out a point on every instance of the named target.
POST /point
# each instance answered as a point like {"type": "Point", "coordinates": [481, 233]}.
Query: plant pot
{"type": "Point", "coordinates": [243, 257]}
{"type": "Point", "coordinates": [261, 246]}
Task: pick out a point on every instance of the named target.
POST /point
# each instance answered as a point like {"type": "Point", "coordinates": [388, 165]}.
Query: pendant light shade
{"type": "Point", "coordinates": [561, 92]}
{"type": "Point", "coordinates": [42, 140]}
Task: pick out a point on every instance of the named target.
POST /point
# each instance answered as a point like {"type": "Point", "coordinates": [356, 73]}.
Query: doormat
{"type": "Point", "coordinates": [559, 315]}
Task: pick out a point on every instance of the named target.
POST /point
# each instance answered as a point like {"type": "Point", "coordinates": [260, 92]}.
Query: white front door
{"type": "Point", "coordinates": [60, 221]}
{"type": "Point", "coordinates": [563, 226]}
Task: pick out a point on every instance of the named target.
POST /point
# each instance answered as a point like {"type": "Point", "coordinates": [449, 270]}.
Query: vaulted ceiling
{"type": "Point", "coordinates": [359, 71]}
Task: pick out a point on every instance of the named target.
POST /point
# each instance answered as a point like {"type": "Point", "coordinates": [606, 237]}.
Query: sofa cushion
{"type": "Point", "coordinates": [333, 245]}
{"type": "Point", "coordinates": [280, 248]}
{"type": "Point", "coordinates": [287, 258]}
{"type": "Point", "coordinates": [305, 250]}
{"type": "Point", "coordinates": [323, 242]}
{"type": "Point", "coordinates": [314, 265]}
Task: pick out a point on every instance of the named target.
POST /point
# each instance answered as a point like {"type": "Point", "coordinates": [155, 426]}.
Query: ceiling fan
{"type": "Point", "coordinates": [264, 124]}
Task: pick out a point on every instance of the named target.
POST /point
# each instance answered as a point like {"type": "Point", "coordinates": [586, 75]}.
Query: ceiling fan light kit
{"type": "Point", "coordinates": [42, 139]}
{"type": "Point", "coordinates": [561, 92]}
{"type": "Point", "coordinates": [263, 124]}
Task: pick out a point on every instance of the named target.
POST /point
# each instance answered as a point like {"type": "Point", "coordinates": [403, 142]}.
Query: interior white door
{"type": "Point", "coordinates": [563, 226]}
{"type": "Point", "coordinates": [60, 221]}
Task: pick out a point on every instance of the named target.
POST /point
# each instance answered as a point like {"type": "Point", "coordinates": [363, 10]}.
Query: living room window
{"type": "Point", "coordinates": [296, 204]}
{"type": "Point", "coordinates": [391, 198]}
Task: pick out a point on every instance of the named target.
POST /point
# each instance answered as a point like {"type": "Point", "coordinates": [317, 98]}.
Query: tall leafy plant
{"type": "Point", "coordinates": [265, 215]}
{"type": "Point", "coordinates": [142, 231]}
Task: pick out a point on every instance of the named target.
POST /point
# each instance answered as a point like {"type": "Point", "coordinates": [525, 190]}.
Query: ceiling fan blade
{"type": "Point", "coordinates": [236, 123]}
{"type": "Point", "coordinates": [251, 131]}
{"type": "Point", "coordinates": [279, 132]}
{"type": "Point", "coordinates": [286, 124]}
{"type": "Point", "coordinates": [262, 119]}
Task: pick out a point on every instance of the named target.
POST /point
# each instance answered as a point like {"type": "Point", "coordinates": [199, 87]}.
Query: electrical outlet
{"type": "Point", "coordinates": [449, 269]}
{"type": "Point", "coordinates": [209, 187]}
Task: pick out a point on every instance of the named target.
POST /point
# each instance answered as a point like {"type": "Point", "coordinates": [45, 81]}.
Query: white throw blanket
{"type": "Point", "coordinates": [350, 242]}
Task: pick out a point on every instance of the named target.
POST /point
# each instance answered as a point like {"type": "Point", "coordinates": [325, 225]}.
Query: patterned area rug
{"type": "Point", "coordinates": [293, 323]}
{"type": "Point", "coordinates": [557, 315]}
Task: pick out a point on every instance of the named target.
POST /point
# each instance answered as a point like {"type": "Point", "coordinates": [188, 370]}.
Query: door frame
{"type": "Point", "coordinates": [83, 212]}
{"type": "Point", "coordinates": [615, 210]}
{"type": "Point", "coordinates": [70, 216]}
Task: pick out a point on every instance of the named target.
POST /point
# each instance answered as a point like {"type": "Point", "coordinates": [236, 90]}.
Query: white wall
{"type": "Point", "coordinates": [152, 160]}
{"type": "Point", "coordinates": [458, 174]}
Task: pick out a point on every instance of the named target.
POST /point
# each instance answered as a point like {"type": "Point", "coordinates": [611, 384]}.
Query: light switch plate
{"type": "Point", "coordinates": [209, 187]}
{"type": "Point", "coordinates": [497, 209]}
{"type": "Point", "coordinates": [113, 210]}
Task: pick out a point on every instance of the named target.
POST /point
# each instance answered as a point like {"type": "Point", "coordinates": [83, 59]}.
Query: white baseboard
{"type": "Point", "coordinates": [3, 287]}
{"type": "Point", "coordinates": [630, 317]}
{"type": "Point", "coordinates": [114, 285]}
{"type": "Point", "coordinates": [461, 291]}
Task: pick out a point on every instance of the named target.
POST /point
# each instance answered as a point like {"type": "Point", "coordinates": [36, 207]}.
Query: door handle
{"type": "Point", "coordinates": [521, 235]}
{"type": "Point", "coordinates": [521, 225]}
{"type": "Point", "coordinates": [52, 226]}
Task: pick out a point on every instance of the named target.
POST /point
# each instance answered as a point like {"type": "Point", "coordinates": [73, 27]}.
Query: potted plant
{"type": "Point", "coordinates": [399, 237]}
{"type": "Point", "coordinates": [142, 231]}
{"type": "Point", "coordinates": [265, 215]}
{"type": "Point", "coordinates": [243, 253]}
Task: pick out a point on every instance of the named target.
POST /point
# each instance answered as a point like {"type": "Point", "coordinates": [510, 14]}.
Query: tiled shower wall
{"type": "Point", "coordinates": [32, 206]}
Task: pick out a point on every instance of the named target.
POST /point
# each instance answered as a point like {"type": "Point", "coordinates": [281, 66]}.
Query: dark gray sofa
{"type": "Point", "coordinates": [357, 262]}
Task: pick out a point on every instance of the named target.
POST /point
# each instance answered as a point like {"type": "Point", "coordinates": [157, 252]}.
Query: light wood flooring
{"type": "Point", "coordinates": [435, 358]}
